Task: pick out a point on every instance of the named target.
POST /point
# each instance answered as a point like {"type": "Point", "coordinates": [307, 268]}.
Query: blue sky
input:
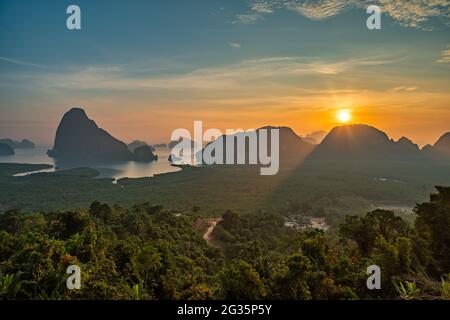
{"type": "Point", "coordinates": [143, 68]}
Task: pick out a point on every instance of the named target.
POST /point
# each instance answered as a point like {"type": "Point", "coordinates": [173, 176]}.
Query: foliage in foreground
{"type": "Point", "coordinates": [147, 252]}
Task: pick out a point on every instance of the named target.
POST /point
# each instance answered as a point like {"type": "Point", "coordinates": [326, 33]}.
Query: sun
{"type": "Point", "coordinates": [344, 116]}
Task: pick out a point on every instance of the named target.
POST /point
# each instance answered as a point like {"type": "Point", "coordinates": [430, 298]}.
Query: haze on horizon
{"type": "Point", "coordinates": [141, 70]}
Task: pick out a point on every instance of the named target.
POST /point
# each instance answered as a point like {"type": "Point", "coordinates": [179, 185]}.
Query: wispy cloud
{"type": "Point", "coordinates": [246, 19]}
{"type": "Point", "coordinates": [415, 14]}
{"type": "Point", "coordinates": [255, 73]}
{"type": "Point", "coordinates": [234, 45]}
{"type": "Point", "coordinates": [445, 56]}
{"type": "Point", "coordinates": [321, 9]}
{"type": "Point", "coordinates": [22, 63]}
{"type": "Point", "coordinates": [257, 10]}
{"type": "Point", "coordinates": [262, 6]}
{"type": "Point", "coordinates": [405, 88]}
{"type": "Point", "coordinates": [408, 13]}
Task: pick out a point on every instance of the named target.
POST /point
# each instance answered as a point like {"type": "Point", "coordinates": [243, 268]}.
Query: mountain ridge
{"type": "Point", "coordinates": [364, 142]}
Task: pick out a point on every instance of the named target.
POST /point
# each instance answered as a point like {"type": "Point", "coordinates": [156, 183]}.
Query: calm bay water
{"type": "Point", "coordinates": [129, 169]}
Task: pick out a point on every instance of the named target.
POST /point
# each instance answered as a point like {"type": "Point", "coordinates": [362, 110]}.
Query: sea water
{"type": "Point", "coordinates": [130, 169]}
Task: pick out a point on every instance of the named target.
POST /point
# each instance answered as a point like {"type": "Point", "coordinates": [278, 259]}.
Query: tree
{"type": "Point", "coordinates": [293, 285]}
{"type": "Point", "coordinates": [241, 282]}
{"type": "Point", "coordinates": [366, 229]}
{"type": "Point", "coordinates": [433, 227]}
{"type": "Point", "coordinates": [100, 210]}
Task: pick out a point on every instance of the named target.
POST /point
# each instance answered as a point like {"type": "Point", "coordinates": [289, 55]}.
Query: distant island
{"type": "Point", "coordinates": [24, 144]}
{"type": "Point", "coordinates": [360, 141]}
{"type": "Point", "coordinates": [172, 144]}
{"type": "Point", "coordinates": [144, 154]}
{"type": "Point", "coordinates": [79, 139]}
{"type": "Point", "coordinates": [138, 143]}
{"type": "Point", "coordinates": [293, 149]}
{"type": "Point", "coordinates": [142, 151]}
{"type": "Point", "coordinates": [364, 142]}
{"type": "Point", "coordinates": [355, 142]}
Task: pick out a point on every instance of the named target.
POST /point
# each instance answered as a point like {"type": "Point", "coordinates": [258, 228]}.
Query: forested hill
{"type": "Point", "coordinates": [148, 252]}
{"type": "Point", "coordinates": [330, 189]}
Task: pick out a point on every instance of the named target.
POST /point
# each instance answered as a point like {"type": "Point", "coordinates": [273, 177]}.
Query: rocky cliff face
{"type": "Point", "coordinates": [79, 139]}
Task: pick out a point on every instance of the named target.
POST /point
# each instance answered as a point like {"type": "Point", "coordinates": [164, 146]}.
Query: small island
{"type": "Point", "coordinates": [79, 140]}
{"type": "Point", "coordinates": [24, 144]}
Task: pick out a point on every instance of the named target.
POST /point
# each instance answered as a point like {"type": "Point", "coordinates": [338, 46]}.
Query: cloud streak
{"type": "Point", "coordinates": [262, 6]}
{"type": "Point", "coordinates": [408, 13]}
{"type": "Point", "coordinates": [405, 88]}
{"type": "Point", "coordinates": [248, 73]}
{"type": "Point", "coordinates": [320, 10]}
{"type": "Point", "coordinates": [234, 45]}
{"type": "Point", "coordinates": [22, 63]}
{"type": "Point", "coordinates": [247, 19]}
{"type": "Point", "coordinates": [416, 14]}
{"type": "Point", "coordinates": [445, 56]}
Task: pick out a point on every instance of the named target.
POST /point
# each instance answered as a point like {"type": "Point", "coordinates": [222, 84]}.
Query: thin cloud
{"type": "Point", "coordinates": [247, 73]}
{"type": "Point", "coordinates": [258, 9]}
{"type": "Point", "coordinates": [412, 14]}
{"type": "Point", "coordinates": [246, 19]}
{"type": "Point", "coordinates": [445, 56]}
{"type": "Point", "coordinates": [416, 14]}
{"type": "Point", "coordinates": [22, 63]}
{"type": "Point", "coordinates": [234, 45]}
{"type": "Point", "coordinates": [262, 7]}
{"type": "Point", "coordinates": [319, 10]}
{"type": "Point", "coordinates": [405, 89]}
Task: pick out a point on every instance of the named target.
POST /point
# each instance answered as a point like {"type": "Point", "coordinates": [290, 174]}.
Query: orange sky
{"type": "Point", "coordinates": [422, 117]}
{"type": "Point", "coordinates": [143, 78]}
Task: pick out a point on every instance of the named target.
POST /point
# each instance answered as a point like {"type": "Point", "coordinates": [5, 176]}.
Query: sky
{"type": "Point", "coordinates": [141, 69]}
